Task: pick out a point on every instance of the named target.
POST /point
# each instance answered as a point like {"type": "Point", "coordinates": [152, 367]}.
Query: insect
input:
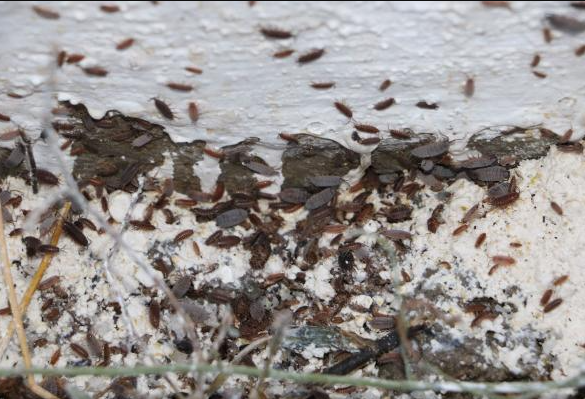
{"type": "Point", "coordinates": [193, 111]}
{"type": "Point", "coordinates": [74, 58]}
{"type": "Point", "coordinates": [48, 283]}
{"type": "Point", "coordinates": [366, 128]}
{"type": "Point", "coordinates": [48, 249]}
{"type": "Point", "coordinates": [385, 85]}
{"type": "Point", "coordinates": [140, 141]}
{"type": "Point", "coordinates": [503, 260]}
{"type": "Point", "coordinates": [557, 208]}
{"type": "Point", "coordinates": [394, 234]}
{"type": "Point", "coordinates": [561, 280]}
{"type": "Point", "coordinates": [283, 53]}
{"type": "Point", "coordinates": [260, 168]}
{"type": "Point", "coordinates": [431, 150]}
{"type": "Point", "coordinates": [480, 240]}
{"type": "Point", "coordinates": [504, 200]}
{"type": "Point", "coordinates": [163, 108]}
{"type": "Point", "coordinates": [154, 314]}
{"type": "Point", "coordinates": [109, 8]}
{"type": "Point", "coordinates": [469, 87]}
{"type": "Point", "coordinates": [231, 218]}
{"type": "Point", "coordinates": [310, 56]}
{"type": "Point", "coordinates": [322, 85]}
{"type": "Point", "coordinates": [183, 235]}
{"type": "Point", "coordinates": [325, 181]}
{"type": "Point", "coordinates": [400, 134]}
{"type": "Point", "coordinates": [275, 33]}
{"type": "Point", "coordinates": [579, 51]}
{"type": "Point", "coordinates": [10, 135]}
{"type": "Point", "coordinates": [369, 141]}
{"type": "Point", "coordinates": [538, 74]}
{"type": "Point", "coordinates": [214, 153]}
{"type": "Point", "coordinates": [79, 350]}
{"type": "Point", "coordinates": [553, 305]}
{"type": "Point", "coordinates": [566, 24]}
{"type": "Point", "coordinates": [489, 174]}
{"type": "Point", "coordinates": [179, 86]}
{"type": "Point", "coordinates": [289, 137]}
{"type": "Point", "coordinates": [4, 118]}
{"type": "Point", "coordinates": [344, 109]}
{"type": "Point", "coordinates": [142, 225]}
{"type": "Point", "coordinates": [405, 276]}
{"type": "Point", "coordinates": [75, 233]}
{"type": "Point", "coordinates": [547, 35]}
{"type": "Point", "coordinates": [46, 12]}
{"type": "Point", "coordinates": [95, 71]}
{"type": "Point", "coordinates": [55, 357]}
{"type": "Point", "coordinates": [294, 195]}
{"type": "Point", "coordinates": [435, 220]}
{"type": "Point", "coordinates": [546, 297]}
{"type": "Point", "coordinates": [384, 104]}
{"type": "Point", "coordinates": [496, 4]}
{"type": "Point", "coordinates": [535, 61]}
{"type": "Point", "coordinates": [426, 105]}
{"type": "Point", "coordinates": [460, 229]}
{"type": "Point", "coordinates": [321, 198]}
{"type": "Point", "coordinates": [125, 44]}
{"type": "Point", "coordinates": [196, 249]}
{"type": "Point", "coordinates": [195, 70]}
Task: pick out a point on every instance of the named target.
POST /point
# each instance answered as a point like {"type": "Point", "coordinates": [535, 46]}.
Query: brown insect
{"type": "Point", "coordinates": [196, 249]}
{"type": "Point", "coordinates": [310, 56]}
{"type": "Point", "coordinates": [154, 313]}
{"type": "Point", "coordinates": [515, 244]}
{"type": "Point", "coordinates": [504, 200]}
{"type": "Point", "coordinates": [426, 105]}
{"type": "Point", "coordinates": [400, 134]}
{"type": "Point", "coordinates": [125, 44]}
{"type": "Point", "coordinates": [344, 109]}
{"type": "Point", "coordinates": [75, 233]}
{"type": "Point", "coordinates": [275, 33]}
{"type": "Point", "coordinates": [263, 184]}
{"type": "Point", "coordinates": [228, 241]}
{"type": "Point", "coordinates": [579, 51]}
{"type": "Point", "coordinates": [289, 137]}
{"type": "Point", "coordinates": [48, 283]}
{"type": "Point", "coordinates": [503, 260]}
{"type": "Point", "coordinates": [104, 204]}
{"type": "Point", "coordinates": [61, 55]}
{"type": "Point", "coordinates": [74, 58]}
{"type": "Point", "coordinates": [385, 84]}
{"type": "Point", "coordinates": [179, 86]}
{"type": "Point", "coordinates": [469, 87]}
{"type": "Point", "coordinates": [48, 249]}
{"type": "Point", "coordinates": [553, 305]}
{"type": "Point", "coordinates": [460, 229]}
{"type": "Point", "coordinates": [55, 357]}
{"type": "Point", "coordinates": [547, 35]}
{"type": "Point", "coordinates": [535, 61]}
{"type": "Point", "coordinates": [185, 203]}
{"type": "Point", "coordinates": [481, 317]}
{"type": "Point", "coordinates": [79, 350]}
{"type": "Point", "coordinates": [163, 108]}
{"type": "Point", "coordinates": [196, 71]}
{"type": "Point", "coordinates": [142, 225]}
{"type": "Point", "coordinates": [538, 74]}
{"type": "Point", "coordinates": [283, 53]}
{"type": "Point", "coordinates": [366, 128]}
{"type": "Point", "coordinates": [193, 112]}
{"type": "Point", "coordinates": [496, 4]}
{"type": "Point", "coordinates": [384, 104]}
{"type": "Point", "coordinates": [322, 85]}
{"type": "Point", "coordinates": [46, 12]}
{"type": "Point", "coordinates": [214, 153]}
{"type": "Point", "coordinates": [546, 297]}
{"type": "Point", "coordinates": [10, 135]}
{"type": "Point", "coordinates": [46, 177]}
{"type": "Point", "coordinates": [87, 223]}
{"type": "Point", "coordinates": [561, 280]}
{"type": "Point", "coordinates": [4, 118]}
{"type": "Point", "coordinates": [95, 71]}
{"type": "Point", "coordinates": [557, 208]}
{"type": "Point", "coordinates": [66, 145]}
{"type": "Point", "coordinates": [369, 141]}
{"type": "Point", "coordinates": [183, 235]}
{"type": "Point", "coordinates": [405, 276]}
{"type": "Point", "coordinates": [109, 8]}
{"type": "Point", "coordinates": [15, 232]}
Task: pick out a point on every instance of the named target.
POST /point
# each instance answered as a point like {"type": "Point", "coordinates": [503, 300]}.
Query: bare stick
{"type": "Point", "coordinates": [34, 283]}
{"type": "Point", "coordinates": [17, 316]}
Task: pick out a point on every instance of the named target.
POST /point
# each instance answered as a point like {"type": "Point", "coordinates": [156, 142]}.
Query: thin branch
{"type": "Point", "coordinates": [312, 378]}
{"type": "Point", "coordinates": [38, 276]}
{"type": "Point", "coordinates": [17, 315]}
